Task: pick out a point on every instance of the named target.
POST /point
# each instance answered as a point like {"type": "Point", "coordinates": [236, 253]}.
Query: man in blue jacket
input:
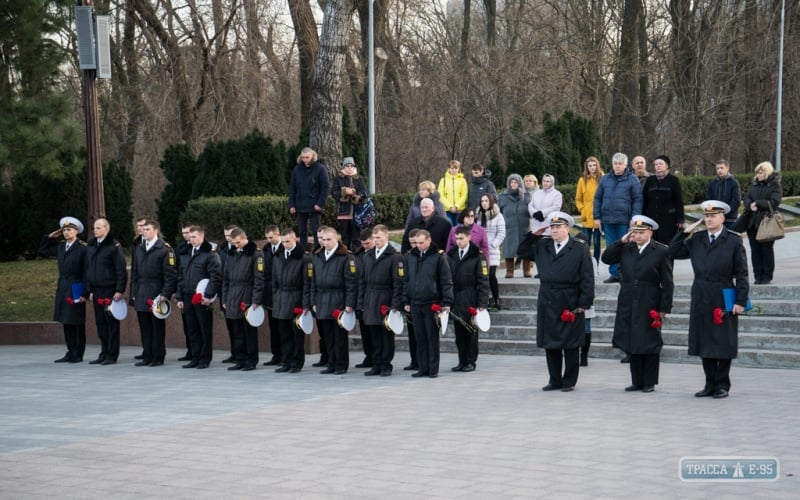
{"type": "Point", "coordinates": [726, 189]}
{"type": "Point", "coordinates": [617, 200]}
{"type": "Point", "coordinates": [308, 190]}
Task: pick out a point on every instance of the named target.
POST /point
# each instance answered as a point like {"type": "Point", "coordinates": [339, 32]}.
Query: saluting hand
{"type": "Point", "coordinates": [694, 225]}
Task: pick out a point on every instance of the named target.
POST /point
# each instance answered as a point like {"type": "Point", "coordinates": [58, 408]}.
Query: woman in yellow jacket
{"type": "Point", "coordinates": [584, 201]}
{"type": "Point", "coordinates": [453, 190]}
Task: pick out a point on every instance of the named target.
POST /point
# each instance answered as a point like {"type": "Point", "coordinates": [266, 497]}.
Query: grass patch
{"type": "Point", "coordinates": [29, 289]}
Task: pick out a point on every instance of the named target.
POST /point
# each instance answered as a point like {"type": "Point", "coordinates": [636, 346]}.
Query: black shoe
{"type": "Point", "coordinates": [294, 370]}
{"type": "Point", "coordinates": [721, 393]}
{"type": "Point", "coordinates": [96, 361]}
{"type": "Point", "coordinates": [419, 374]}
{"type": "Point", "coordinates": [272, 362]}
{"type": "Point", "coordinates": [386, 372]}
{"type": "Point", "coordinates": [156, 363]}
{"type": "Point", "coordinates": [433, 375]}
{"type": "Point", "coordinates": [140, 356]}
{"type": "Point", "coordinates": [468, 368]}
{"type": "Point", "coordinates": [229, 359]}
{"type": "Point", "coordinates": [248, 368]}
{"type": "Point", "coordinates": [65, 359]}
{"type": "Point", "coordinates": [611, 279]}
{"type": "Point", "coordinates": [320, 363]}
{"type": "Point", "coordinates": [340, 372]}
{"type": "Point", "coordinates": [365, 364]}
{"type": "Point", "coordinates": [411, 367]}
{"type": "Point", "coordinates": [551, 387]}
{"type": "Point", "coordinates": [648, 388]}
{"type": "Point", "coordinates": [584, 362]}
{"type": "Point", "coordinates": [568, 388]}
{"type": "Point", "coordinates": [142, 363]}
{"type": "Point", "coordinates": [327, 371]}
{"type": "Point", "coordinates": [202, 365]}
{"type": "Point", "coordinates": [193, 364]}
{"type": "Point", "coordinates": [372, 372]}
{"type": "Point", "coordinates": [705, 393]}
{"type": "Point", "coordinates": [632, 388]}
{"type": "Point", "coordinates": [186, 357]}
{"type": "Point", "coordinates": [237, 366]}
{"type": "Point", "coordinates": [75, 360]}
{"type": "Point", "coordinates": [282, 369]}
{"type": "Point", "coordinates": [457, 368]}
{"type": "Point", "coordinates": [626, 359]}
{"type": "Point", "coordinates": [108, 362]}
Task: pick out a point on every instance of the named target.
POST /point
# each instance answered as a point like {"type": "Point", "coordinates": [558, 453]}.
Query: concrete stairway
{"type": "Point", "coordinates": [769, 338]}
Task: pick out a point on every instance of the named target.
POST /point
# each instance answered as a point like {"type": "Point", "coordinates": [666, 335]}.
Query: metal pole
{"type": "Point", "coordinates": [779, 126]}
{"type": "Point", "coordinates": [94, 168]}
{"type": "Point", "coordinates": [371, 99]}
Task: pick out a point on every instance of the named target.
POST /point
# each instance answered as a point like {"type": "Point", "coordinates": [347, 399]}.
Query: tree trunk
{"type": "Point", "coordinates": [305, 28]}
{"type": "Point", "coordinates": [625, 125]}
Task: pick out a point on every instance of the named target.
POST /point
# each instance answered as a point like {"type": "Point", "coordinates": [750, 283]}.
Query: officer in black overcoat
{"type": "Point", "coordinates": [271, 250]}
{"type": "Point", "coordinates": [183, 252]}
{"type": "Point", "coordinates": [367, 244]}
{"type": "Point", "coordinates": [645, 297]}
{"type": "Point", "coordinates": [106, 280]}
{"type": "Point", "coordinates": [71, 294]}
{"type": "Point", "coordinates": [471, 290]}
{"type": "Point", "coordinates": [289, 271]}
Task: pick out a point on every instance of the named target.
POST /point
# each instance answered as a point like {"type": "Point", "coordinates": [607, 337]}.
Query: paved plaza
{"type": "Point", "coordinates": [81, 431]}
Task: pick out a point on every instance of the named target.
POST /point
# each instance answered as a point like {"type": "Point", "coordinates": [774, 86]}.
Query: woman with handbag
{"type": "Point", "coordinates": [348, 190]}
{"type": "Point", "coordinates": [763, 197]}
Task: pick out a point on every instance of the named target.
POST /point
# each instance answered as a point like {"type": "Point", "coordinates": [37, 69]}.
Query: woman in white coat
{"type": "Point", "coordinates": [489, 217]}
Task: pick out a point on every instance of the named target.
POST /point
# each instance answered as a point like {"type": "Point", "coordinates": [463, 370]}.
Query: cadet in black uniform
{"type": "Point", "coordinates": [271, 250]}
{"type": "Point", "coordinates": [289, 271]}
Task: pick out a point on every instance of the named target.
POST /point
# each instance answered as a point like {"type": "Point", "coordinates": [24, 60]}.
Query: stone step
{"type": "Point", "coordinates": [759, 358]}
{"type": "Point", "coordinates": [747, 340]}
{"type": "Point", "coordinates": [530, 287]}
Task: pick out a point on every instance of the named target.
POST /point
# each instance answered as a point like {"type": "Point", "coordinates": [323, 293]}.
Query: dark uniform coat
{"type": "Point", "coordinates": [289, 277]}
{"type": "Point", "coordinates": [439, 227]}
{"type": "Point", "coordinates": [71, 269]}
{"type": "Point", "coordinates": [567, 283]}
{"type": "Point", "coordinates": [470, 280]}
{"type": "Point", "coordinates": [647, 285]}
{"type": "Point", "coordinates": [205, 264]}
{"type": "Point", "coordinates": [154, 273]}
{"type": "Point", "coordinates": [269, 259]}
{"type": "Point", "coordinates": [380, 283]}
{"type": "Point", "coordinates": [333, 284]}
{"type": "Point", "coordinates": [106, 272]}
{"type": "Point", "coordinates": [243, 280]}
{"type": "Point", "coordinates": [663, 202]}
{"type": "Point", "coordinates": [428, 278]}
{"type": "Point", "coordinates": [717, 266]}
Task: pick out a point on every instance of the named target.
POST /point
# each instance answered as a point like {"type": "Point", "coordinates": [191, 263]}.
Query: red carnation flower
{"type": "Point", "coordinates": [242, 306]}
{"type": "Point", "coordinates": [436, 308]}
{"type": "Point", "coordinates": [149, 302]}
{"type": "Point", "coordinates": [567, 316]}
{"type": "Point", "coordinates": [654, 314]}
{"type": "Point", "coordinates": [718, 316]}
{"type": "Point", "coordinates": [70, 300]}
{"type": "Point", "coordinates": [197, 298]}
{"type": "Point", "coordinates": [99, 302]}
{"type": "Point", "coordinates": [107, 302]}
{"type": "Point", "coordinates": [384, 310]}
{"type": "Point", "coordinates": [472, 311]}
{"type": "Point", "coordinates": [336, 313]}
{"type": "Point", "coordinates": [297, 310]}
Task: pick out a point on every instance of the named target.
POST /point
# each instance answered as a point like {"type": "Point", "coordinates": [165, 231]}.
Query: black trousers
{"type": "Point", "coordinates": [335, 344]}
{"type": "Point", "coordinates": [412, 343]}
{"type": "Point", "coordinates": [427, 333]}
{"type": "Point", "coordinates": [152, 331]}
{"type": "Point", "coordinates": [718, 373]}
{"type": "Point", "coordinates": [303, 221]}
{"type": "Point", "coordinates": [762, 255]}
{"type": "Point", "coordinates": [75, 338]}
{"type": "Point", "coordinates": [571, 365]}
{"type": "Point", "coordinates": [382, 347]}
{"type": "Point", "coordinates": [494, 286]}
{"type": "Point", "coordinates": [107, 332]}
{"type": "Point", "coordinates": [466, 343]}
{"type": "Point", "coordinates": [186, 336]}
{"type": "Point", "coordinates": [274, 336]}
{"type": "Point", "coordinates": [293, 340]}
{"type": "Point", "coordinates": [199, 326]}
{"type": "Point", "coordinates": [229, 325]}
{"type": "Point", "coordinates": [349, 232]}
{"type": "Point", "coordinates": [323, 344]}
{"type": "Point", "coordinates": [644, 369]}
{"type": "Point", "coordinates": [366, 342]}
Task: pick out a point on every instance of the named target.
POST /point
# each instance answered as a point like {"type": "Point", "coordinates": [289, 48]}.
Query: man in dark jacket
{"type": "Point", "coordinates": [663, 200]}
{"type": "Point", "coordinates": [367, 244]}
{"type": "Point", "coordinates": [308, 190]}
{"type": "Point", "coordinates": [106, 280]}
{"type": "Point", "coordinates": [566, 274]}
{"type": "Point", "coordinates": [200, 262]}
{"type": "Point", "coordinates": [427, 290]}
{"type": "Point", "coordinates": [471, 291]}
{"type": "Point", "coordinates": [154, 276]}
{"type": "Point", "coordinates": [223, 252]}
{"type": "Point", "coordinates": [332, 290]}
{"type": "Point", "coordinates": [242, 287]}
{"type": "Point", "coordinates": [289, 271]}
{"type": "Point", "coordinates": [719, 262]}
{"type": "Point", "coordinates": [725, 188]}
{"type": "Point", "coordinates": [380, 289]}
{"type": "Point", "coordinates": [183, 253]}
{"type": "Point", "coordinates": [645, 297]}
{"type": "Point", "coordinates": [479, 185]}
{"type": "Point", "coordinates": [437, 227]}
{"type": "Point", "coordinates": [271, 250]}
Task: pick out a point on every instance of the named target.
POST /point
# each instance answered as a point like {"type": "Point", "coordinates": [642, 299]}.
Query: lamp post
{"type": "Point", "coordinates": [779, 127]}
{"type": "Point", "coordinates": [371, 99]}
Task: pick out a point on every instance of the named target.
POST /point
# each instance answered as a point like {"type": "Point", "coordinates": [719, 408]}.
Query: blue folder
{"type": "Point", "coordinates": [729, 295]}
{"type": "Point", "coordinates": [77, 290]}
